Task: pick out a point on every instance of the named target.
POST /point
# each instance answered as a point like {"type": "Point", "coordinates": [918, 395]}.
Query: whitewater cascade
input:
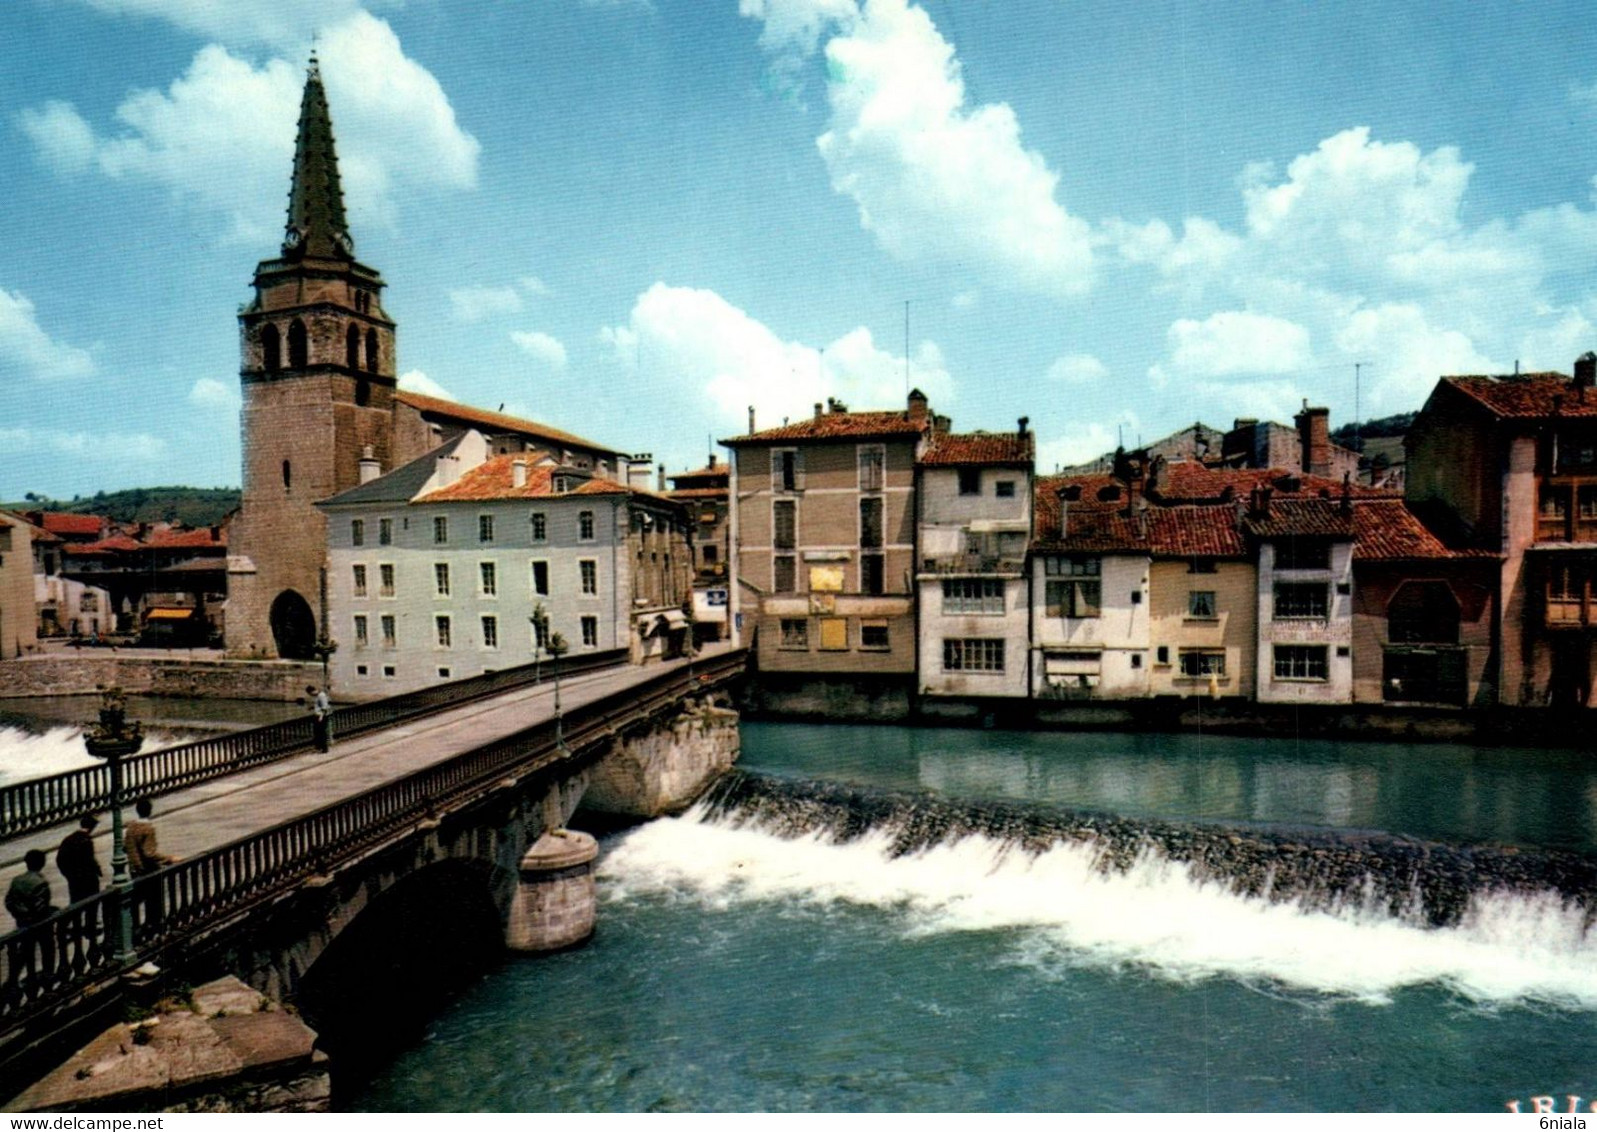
{"type": "Point", "coordinates": [1333, 911]}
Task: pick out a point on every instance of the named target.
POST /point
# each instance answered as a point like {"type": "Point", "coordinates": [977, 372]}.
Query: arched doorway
{"type": "Point", "coordinates": [293, 626]}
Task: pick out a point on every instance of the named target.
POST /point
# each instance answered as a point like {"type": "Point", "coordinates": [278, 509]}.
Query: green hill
{"type": "Point", "coordinates": [193, 506]}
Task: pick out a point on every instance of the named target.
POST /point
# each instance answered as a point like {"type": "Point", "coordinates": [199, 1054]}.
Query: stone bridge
{"type": "Point", "coordinates": [344, 881]}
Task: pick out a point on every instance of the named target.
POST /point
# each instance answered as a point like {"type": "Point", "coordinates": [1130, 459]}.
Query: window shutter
{"type": "Point", "coordinates": [798, 469]}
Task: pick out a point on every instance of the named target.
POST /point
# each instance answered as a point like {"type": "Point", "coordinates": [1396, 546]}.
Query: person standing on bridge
{"type": "Point", "coordinates": [75, 858]}
{"type": "Point", "coordinates": [28, 898]}
{"type": "Point", "coordinates": [323, 707]}
{"type": "Point", "coordinates": [139, 843]}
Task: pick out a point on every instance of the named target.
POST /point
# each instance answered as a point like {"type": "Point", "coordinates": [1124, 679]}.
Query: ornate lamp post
{"type": "Point", "coordinates": [555, 645]}
{"type": "Point", "coordinates": [114, 739]}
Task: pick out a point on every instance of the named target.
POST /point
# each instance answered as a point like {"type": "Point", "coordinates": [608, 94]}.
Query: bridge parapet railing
{"type": "Point", "coordinates": [42, 802]}
{"type": "Point", "coordinates": [45, 964]}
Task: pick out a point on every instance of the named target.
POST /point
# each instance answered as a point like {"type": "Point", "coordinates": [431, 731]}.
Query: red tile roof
{"type": "Point", "coordinates": [436, 406]}
{"type": "Point", "coordinates": [1388, 531]}
{"type": "Point", "coordinates": [493, 480]}
{"type": "Point", "coordinates": [116, 543]}
{"type": "Point", "coordinates": [698, 493]}
{"type": "Point", "coordinates": [197, 537]}
{"type": "Point", "coordinates": [838, 426]}
{"type": "Point", "coordinates": [1196, 532]}
{"type": "Point", "coordinates": [1190, 482]}
{"type": "Point", "coordinates": [1527, 395]}
{"type": "Point", "coordinates": [1286, 517]}
{"type": "Point", "coordinates": [61, 523]}
{"type": "Point", "coordinates": [980, 448]}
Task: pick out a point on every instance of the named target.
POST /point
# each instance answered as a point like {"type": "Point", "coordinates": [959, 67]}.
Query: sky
{"type": "Point", "coordinates": [635, 219]}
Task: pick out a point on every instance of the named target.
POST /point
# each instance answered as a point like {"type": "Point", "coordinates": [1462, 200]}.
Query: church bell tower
{"type": "Point", "coordinates": [318, 374]}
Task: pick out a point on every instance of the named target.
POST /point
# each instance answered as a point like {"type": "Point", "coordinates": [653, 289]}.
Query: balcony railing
{"type": "Point", "coordinates": [972, 564]}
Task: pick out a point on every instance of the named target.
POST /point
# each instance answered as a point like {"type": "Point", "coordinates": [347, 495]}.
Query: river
{"type": "Point", "coordinates": [940, 935]}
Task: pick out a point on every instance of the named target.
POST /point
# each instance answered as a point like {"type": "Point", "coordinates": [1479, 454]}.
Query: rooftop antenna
{"type": "Point", "coordinates": [906, 347]}
{"type": "Point", "coordinates": [1358, 416]}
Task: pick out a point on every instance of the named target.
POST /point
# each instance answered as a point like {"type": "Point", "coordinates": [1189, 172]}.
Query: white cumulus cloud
{"type": "Point", "coordinates": [27, 351]}
{"type": "Point", "coordinates": [1077, 369]}
{"type": "Point", "coordinates": [544, 347]}
{"type": "Point", "coordinates": [698, 342]}
{"type": "Point", "coordinates": [221, 137]}
{"type": "Point", "coordinates": [934, 178]}
{"type": "Point", "coordinates": [209, 393]}
{"type": "Point", "coordinates": [473, 304]}
{"type": "Point", "coordinates": [415, 381]}
{"type": "Point", "coordinates": [1230, 342]}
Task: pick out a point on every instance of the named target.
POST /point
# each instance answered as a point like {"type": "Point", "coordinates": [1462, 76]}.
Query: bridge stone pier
{"type": "Point", "coordinates": [366, 884]}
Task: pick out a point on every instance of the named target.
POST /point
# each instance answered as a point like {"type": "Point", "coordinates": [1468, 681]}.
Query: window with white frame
{"type": "Point", "coordinates": [588, 571]}
{"type": "Point", "coordinates": [490, 632]}
{"type": "Point", "coordinates": [485, 528]}
{"type": "Point", "coordinates": [540, 578]}
{"type": "Point", "coordinates": [358, 579]}
{"type": "Point", "coordinates": [361, 637]}
{"type": "Point", "coordinates": [585, 526]}
{"type": "Point", "coordinates": [385, 532]}
{"type": "Point", "coordinates": [590, 632]}
{"type": "Point", "coordinates": [540, 526]}
{"type": "Point", "coordinates": [441, 579]}
{"type": "Point", "coordinates": [1198, 663]}
{"type": "Point", "coordinates": [390, 638]}
{"type": "Point", "coordinates": [441, 631]}
{"type": "Point", "coordinates": [784, 524]}
{"type": "Point", "coordinates": [973, 595]}
{"type": "Point", "coordinates": [973, 654]}
{"type": "Point", "coordinates": [440, 528]}
{"type": "Point", "coordinates": [872, 465]}
{"type": "Point", "coordinates": [787, 470]}
{"type": "Point", "coordinates": [385, 580]}
{"type": "Point", "coordinates": [357, 532]}
{"type": "Point", "coordinates": [1201, 605]}
{"type": "Point", "coordinates": [1301, 662]}
{"type": "Point", "coordinates": [488, 574]}
{"type": "Point", "coordinates": [795, 633]}
{"type": "Point", "coordinates": [1302, 600]}
{"type": "Point", "coordinates": [1072, 588]}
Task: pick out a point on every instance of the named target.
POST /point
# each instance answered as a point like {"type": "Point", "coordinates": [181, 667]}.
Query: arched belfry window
{"type": "Point", "coordinates": [271, 349]}
{"type": "Point", "coordinates": [352, 347]}
{"type": "Point", "coordinates": [371, 350]}
{"type": "Point", "coordinates": [298, 353]}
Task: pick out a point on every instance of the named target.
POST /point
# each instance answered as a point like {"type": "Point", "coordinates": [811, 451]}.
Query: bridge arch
{"type": "Point", "coordinates": [389, 968]}
{"type": "Point", "coordinates": [293, 626]}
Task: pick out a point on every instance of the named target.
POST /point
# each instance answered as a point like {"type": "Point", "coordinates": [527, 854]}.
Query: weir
{"type": "Point", "coordinates": [1416, 882]}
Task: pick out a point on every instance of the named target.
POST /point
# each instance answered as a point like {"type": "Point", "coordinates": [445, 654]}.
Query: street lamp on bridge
{"type": "Point", "coordinates": [543, 641]}
{"type": "Point", "coordinates": [113, 739]}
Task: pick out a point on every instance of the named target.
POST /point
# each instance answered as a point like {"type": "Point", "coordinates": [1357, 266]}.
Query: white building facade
{"type": "Point", "coordinates": [1305, 610]}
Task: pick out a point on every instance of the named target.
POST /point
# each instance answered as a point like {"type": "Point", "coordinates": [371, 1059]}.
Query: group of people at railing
{"type": "Point", "coordinates": [79, 937]}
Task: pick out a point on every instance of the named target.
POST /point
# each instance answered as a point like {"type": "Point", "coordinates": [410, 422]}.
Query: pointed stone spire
{"type": "Point", "coordinates": [316, 224]}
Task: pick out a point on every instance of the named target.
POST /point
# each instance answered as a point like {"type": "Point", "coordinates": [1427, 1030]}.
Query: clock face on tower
{"type": "Point", "coordinates": [345, 244]}
{"type": "Point", "coordinates": [293, 238]}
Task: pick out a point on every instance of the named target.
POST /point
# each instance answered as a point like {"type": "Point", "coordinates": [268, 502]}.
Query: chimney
{"type": "Point", "coordinates": [817, 410]}
{"type": "Point", "coordinates": [1585, 372]}
{"type": "Point", "coordinates": [370, 469]}
{"type": "Point", "coordinates": [1347, 495]}
{"type": "Point", "coordinates": [712, 461]}
{"type": "Point", "coordinates": [639, 470]}
{"type": "Point", "coordinates": [917, 405]}
{"type": "Point", "coordinates": [751, 420]}
{"type": "Point", "coordinates": [448, 470]}
{"type": "Point", "coordinates": [518, 472]}
{"type": "Point", "coordinates": [1020, 427]}
{"type": "Point", "coordinates": [1314, 437]}
{"type": "Point", "coordinates": [660, 479]}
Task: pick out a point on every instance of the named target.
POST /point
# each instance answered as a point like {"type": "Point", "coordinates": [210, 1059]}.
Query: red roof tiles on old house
{"type": "Point", "coordinates": [1527, 395]}
{"type": "Point", "coordinates": [1386, 530]}
{"type": "Point", "coordinates": [494, 479]}
{"type": "Point", "coordinates": [1299, 517]}
{"type": "Point", "coordinates": [71, 526]}
{"type": "Point", "coordinates": [980, 448]}
{"type": "Point", "coordinates": [833, 426]}
{"type": "Point", "coordinates": [497, 421]}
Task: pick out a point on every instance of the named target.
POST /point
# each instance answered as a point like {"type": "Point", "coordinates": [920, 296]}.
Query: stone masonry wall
{"type": "Point", "coordinates": [280, 680]}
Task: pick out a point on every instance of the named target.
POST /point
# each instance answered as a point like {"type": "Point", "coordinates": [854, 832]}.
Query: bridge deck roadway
{"type": "Point", "coordinates": [203, 817]}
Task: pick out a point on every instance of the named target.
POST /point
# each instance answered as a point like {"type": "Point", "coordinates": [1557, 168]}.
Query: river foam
{"type": "Point", "coordinates": [28, 754]}
{"type": "Point", "coordinates": [1164, 916]}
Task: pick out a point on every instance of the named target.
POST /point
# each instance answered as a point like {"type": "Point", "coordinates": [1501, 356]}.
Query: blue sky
{"type": "Point", "coordinates": [632, 220]}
